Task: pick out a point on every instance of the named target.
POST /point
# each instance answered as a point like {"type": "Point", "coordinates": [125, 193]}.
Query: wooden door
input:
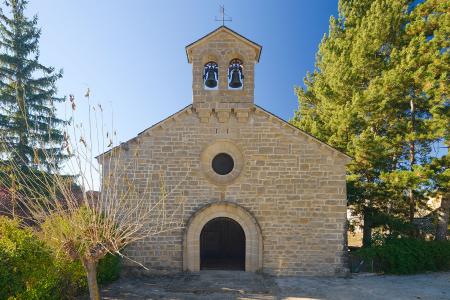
{"type": "Point", "coordinates": [222, 245]}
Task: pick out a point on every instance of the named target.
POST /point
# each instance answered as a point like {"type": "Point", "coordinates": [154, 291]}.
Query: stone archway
{"type": "Point", "coordinates": [252, 231]}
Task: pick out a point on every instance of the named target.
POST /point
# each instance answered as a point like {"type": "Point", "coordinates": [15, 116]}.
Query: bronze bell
{"type": "Point", "coordinates": [211, 80]}
{"type": "Point", "coordinates": [235, 79]}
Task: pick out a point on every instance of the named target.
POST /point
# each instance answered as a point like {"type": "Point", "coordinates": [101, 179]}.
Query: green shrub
{"type": "Point", "coordinates": [56, 229]}
{"type": "Point", "coordinates": [29, 270]}
{"type": "Point", "coordinates": [73, 277]}
{"type": "Point", "coordinates": [409, 256]}
{"type": "Point", "coordinates": [108, 269]}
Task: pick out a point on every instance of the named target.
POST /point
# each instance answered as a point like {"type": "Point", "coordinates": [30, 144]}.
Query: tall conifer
{"type": "Point", "coordinates": [28, 123]}
{"type": "Point", "coordinates": [380, 93]}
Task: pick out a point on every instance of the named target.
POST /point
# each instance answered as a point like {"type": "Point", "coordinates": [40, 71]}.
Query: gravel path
{"type": "Point", "coordinates": [367, 287]}
{"type": "Point", "coordinates": [241, 285]}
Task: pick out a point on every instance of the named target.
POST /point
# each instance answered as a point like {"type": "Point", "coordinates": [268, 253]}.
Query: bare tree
{"type": "Point", "coordinates": [86, 225]}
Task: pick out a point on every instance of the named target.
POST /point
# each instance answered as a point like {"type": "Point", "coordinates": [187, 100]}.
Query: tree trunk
{"type": "Point", "coordinates": [442, 219]}
{"type": "Point", "coordinates": [412, 206]}
{"type": "Point", "coordinates": [412, 161]}
{"type": "Point", "coordinates": [367, 227]}
{"type": "Point", "coordinates": [91, 272]}
{"type": "Point", "coordinates": [22, 116]}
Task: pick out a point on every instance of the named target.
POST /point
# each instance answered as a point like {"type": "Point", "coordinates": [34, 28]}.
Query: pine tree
{"type": "Point", "coordinates": [416, 88]}
{"type": "Point", "coordinates": [377, 93]}
{"type": "Point", "coordinates": [28, 122]}
{"type": "Point", "coordinates": [439, 171]}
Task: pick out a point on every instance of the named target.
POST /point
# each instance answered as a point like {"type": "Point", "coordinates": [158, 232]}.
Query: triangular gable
{"type": "Point", "coordinates": [160, 123]}
{"type": "Point", "coordinates": [257, 47]}
{"type": "Point", "coordinates": [289, 125]}
{"type": "Point", "coordinates": [271, 115]}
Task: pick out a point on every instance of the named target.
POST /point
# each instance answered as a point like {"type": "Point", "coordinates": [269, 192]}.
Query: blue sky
{"type": "Point", "coordinates": [131, 53]}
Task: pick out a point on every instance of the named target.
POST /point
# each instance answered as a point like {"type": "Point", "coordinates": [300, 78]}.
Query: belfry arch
{"type": "Point", "coordinates": [252, 231]}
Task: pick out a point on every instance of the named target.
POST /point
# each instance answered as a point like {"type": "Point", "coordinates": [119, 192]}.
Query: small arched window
{"type": "Point", "coordinates": [211, 75]}
{"type": "Point", "coordinates": [235, 74]}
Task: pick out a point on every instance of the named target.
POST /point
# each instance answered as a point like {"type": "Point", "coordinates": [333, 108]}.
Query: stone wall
{"type": "Point", "coordinates": [222, 48]}
{"type": "Point", "coordinates": [292, 184]}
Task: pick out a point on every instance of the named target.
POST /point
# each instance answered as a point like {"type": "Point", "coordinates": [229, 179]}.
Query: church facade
{"type": "Point", "coordinates": [257, 193]}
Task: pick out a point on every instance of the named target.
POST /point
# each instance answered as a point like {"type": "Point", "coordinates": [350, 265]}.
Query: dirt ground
{"type": "Point", "coordinates": [241, 285]}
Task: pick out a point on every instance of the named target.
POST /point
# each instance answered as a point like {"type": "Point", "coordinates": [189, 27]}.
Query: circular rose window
{"type": "Point", "coordinates": [222, 163]}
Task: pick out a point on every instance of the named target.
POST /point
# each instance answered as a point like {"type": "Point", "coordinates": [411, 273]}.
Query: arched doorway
{"type": "Point", "coordinates": [198, 220]}
{"type": "Point", "coordinates": [222, 245]}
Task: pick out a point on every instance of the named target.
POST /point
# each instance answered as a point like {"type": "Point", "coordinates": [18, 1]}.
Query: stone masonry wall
{"type": "Point", "coordinates": [293, 185]}
{"type": "Point", "coordinates": [222, 48]}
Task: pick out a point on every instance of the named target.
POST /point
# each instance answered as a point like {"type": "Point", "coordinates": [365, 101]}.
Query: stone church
{"type": "Point", "coordinates": [261, 195]}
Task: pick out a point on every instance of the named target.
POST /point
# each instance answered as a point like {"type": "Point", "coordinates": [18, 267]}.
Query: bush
{"type": "Point", "coordinates": [73, 277]}
{"type": "Point", "coordinates": [56, 229]}
{"type": "Point", "coordinates": [409, 256]}
{"type": "Point", "coordinates": [108, 269]}
{"type": "Point", "coordinates": [29, 270]}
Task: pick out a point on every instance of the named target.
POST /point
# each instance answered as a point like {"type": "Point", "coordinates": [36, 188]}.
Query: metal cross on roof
{"type": "Point", "coordinates": [223, 16]}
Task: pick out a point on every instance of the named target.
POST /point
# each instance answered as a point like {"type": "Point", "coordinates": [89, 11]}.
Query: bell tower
{"type": "Point", "coordinates": [223, 64]}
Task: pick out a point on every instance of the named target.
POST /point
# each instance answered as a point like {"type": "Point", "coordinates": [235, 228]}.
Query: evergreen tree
{"type": "Point", "coordinates": [379, 93]}
{"type": "Point", "coordinates": [439, 171]}
{"type": "Point", "coordinates": [416, 88]}
{"type": "Point", "coordinates": [29, 126]}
